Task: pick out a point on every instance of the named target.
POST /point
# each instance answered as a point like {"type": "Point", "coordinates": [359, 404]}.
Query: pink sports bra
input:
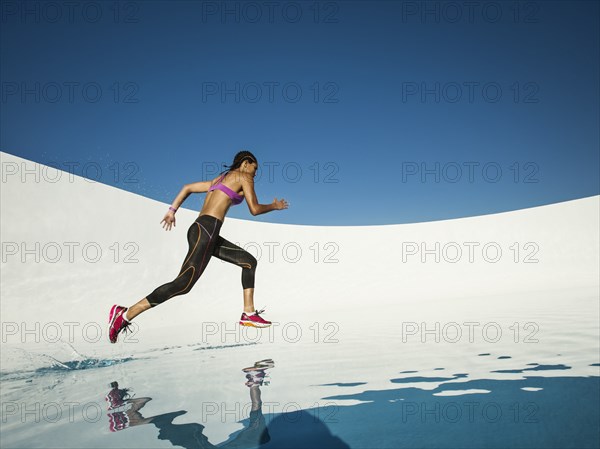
{"type": "Point", "coordinates": [235, 198]}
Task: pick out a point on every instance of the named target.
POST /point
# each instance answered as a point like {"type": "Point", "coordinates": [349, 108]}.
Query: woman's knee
{"type": "Point", "coordinates": [252, 261]}
{"type": "Point", "coordinates": [247, 261]}
{"type": "Point", "coordinates": [178, 286]}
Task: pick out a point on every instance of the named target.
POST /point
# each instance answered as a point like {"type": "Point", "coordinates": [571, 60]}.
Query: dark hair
{"type": "Point", "coordinates": [239, 159]}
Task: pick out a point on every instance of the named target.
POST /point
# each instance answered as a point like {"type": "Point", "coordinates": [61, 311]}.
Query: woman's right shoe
{"type": "Point", "coordinates": [117, 322]}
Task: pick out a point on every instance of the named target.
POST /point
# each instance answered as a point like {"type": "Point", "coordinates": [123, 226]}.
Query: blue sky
{"type": "Point", "coordinates": [360, 113]}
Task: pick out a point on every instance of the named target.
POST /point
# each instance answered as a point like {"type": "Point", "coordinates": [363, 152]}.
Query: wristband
{"type": "Point", "coordinates": [172, 209]}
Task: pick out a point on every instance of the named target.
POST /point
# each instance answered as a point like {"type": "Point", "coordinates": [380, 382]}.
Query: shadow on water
{"type": "Point", "coordinates": [298, 429]}
{"type": "Point", "coordinates": [535, 368]}
{"type": "Point", "coordinates": [407, 380]}
{"type": "Point", "coordinates": [535, 412]}
{"type": "Point", "coordinates": [343, 384]}
{"type": "Point", "coordinates": [455, 412]}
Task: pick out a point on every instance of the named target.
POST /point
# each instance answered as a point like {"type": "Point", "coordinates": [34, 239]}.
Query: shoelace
{"type": "Point", "coordinates": [125, 327]}
{"type": "Point", "coordinates": [261, 311]}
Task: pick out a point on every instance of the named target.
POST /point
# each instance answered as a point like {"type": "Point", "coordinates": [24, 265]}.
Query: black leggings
{"type": "Point", "coordinates": [204, 242]}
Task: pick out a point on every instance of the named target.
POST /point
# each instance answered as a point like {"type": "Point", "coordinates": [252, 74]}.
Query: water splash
{"type": "Point", "coordinates": [36, 364]}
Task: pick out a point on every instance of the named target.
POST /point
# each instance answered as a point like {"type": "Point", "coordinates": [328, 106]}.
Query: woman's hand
{"type": "Point", "coordinates": [168, 220]}
{"type": "Point", "coordinates": [280, 204]}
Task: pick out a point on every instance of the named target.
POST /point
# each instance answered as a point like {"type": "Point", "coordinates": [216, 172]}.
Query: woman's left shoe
{"type": "Point", "coordinates": [254, 319]}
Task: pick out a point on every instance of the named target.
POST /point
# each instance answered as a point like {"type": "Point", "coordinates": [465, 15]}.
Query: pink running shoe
{"type": "Point", "coordinates": [118, 421]}
{"type": "Point", "coordinates": [117, 322]}
{"type": "Point", "coordinates": [254, 320]}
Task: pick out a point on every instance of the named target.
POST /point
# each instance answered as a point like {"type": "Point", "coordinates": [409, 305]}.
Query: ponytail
{"type": "Point", "coordinates": [239, 159]}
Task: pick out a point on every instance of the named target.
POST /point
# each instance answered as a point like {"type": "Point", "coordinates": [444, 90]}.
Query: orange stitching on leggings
{"type": "Point", "coordinates": [195, 246]}
{"type": "Point", "coordinates": [188, 284]}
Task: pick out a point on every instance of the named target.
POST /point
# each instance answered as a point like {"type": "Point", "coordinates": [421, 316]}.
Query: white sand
{"type": "Point", "coordinates": [365, 281]}
{"type": "Point", "coordinates": [359, 304]}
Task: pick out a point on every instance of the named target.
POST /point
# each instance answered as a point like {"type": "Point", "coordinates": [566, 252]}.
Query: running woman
{"type": "Point", "coordinates": [230, 188]}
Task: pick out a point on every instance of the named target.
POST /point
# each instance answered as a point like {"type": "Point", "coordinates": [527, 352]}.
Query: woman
{"type": "Point", "coordinates": [204, 241]}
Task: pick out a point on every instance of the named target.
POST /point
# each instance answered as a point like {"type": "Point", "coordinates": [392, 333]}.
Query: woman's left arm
{"type": "Point", "coordinates": [195, 187]}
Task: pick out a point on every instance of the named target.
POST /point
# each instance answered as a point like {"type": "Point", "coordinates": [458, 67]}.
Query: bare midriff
{"type": "Point", "coordinates": [216, 207]}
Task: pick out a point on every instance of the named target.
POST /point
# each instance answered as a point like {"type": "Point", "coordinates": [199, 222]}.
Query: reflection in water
{"type": "Point", "coordinates": [124, 412]}
{"type": "Point", "coordinates": [290, 430]}
{"type": "Point", "coordinates": [256, 433]}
